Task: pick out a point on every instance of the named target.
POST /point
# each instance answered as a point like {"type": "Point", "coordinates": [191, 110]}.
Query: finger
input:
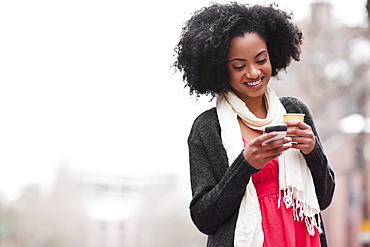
{"type": "Point", "coordinates": [261, 139]}
{"type": "Point", "coordinates": [305, 144]}
{"type": "Point", "coordinates": [258, 158]}
{"type": "Point", "coordinates": [305, 148]}
{"type": "Point", "coordinates": [277, 143]}
{"type": "Point", "coordinates": [300, 133]}
{"type": "Point", "coordinates": [278, 150]}
{"type": "Point", "coordinates": [293, 133]}
{"type": "Point", "coordinates": [292, 123]}
{"type": "Point", "coordinates": [299, 124]}
{"type": "Point", "coordinates": [300, 139]}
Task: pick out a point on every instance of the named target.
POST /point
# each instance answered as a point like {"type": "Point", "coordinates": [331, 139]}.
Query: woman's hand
{"type": "Point", "coordinates": [258, 154]}
{"type": "Point", "coordinates": [304, 138]}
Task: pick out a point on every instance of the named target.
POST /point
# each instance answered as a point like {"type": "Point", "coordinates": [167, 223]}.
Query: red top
{"type": "Point", "coordinates": [279, 227]}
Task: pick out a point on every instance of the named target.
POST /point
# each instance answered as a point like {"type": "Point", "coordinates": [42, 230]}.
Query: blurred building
{"type": "Point", "coordinates": [95, 210]}
{"type": "Point", "coordinates": [148, 211]}
{"type": "Point", "coordinates": [114, 205]}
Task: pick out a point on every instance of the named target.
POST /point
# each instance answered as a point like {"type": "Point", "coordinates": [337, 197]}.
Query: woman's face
{"type": "Point", "coordinates": [249, 66]}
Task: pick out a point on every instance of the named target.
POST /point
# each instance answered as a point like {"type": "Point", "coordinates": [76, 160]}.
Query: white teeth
{"type": "Point", "coordinates": [253, 83]}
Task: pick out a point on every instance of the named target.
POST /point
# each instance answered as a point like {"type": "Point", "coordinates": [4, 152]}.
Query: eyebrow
{"type": "Point", "coordinates": [241, 59]}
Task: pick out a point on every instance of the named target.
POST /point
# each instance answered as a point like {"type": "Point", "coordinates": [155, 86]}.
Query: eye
{"type": "Point", "coordinates": [239, 67]}
{"type": "Point", "coordinates": [261, 61]}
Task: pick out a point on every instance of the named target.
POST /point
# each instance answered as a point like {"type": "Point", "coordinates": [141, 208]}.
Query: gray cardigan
{"type": "Point", "coordinates": [218, 188]}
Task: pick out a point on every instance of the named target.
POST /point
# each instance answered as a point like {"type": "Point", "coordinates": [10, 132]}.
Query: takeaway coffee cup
{"type": "Point", "coordinates": [293, 116]}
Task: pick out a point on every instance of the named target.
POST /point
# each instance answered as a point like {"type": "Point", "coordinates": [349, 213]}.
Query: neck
{"type": "Point", "coordinates": [257, 106]}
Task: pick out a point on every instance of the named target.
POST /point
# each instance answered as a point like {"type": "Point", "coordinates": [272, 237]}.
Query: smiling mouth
{"type": "Point", "coordinates": [253, 83]}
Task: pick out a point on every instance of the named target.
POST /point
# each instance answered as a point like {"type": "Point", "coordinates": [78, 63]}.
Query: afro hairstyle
{"type": "Point", "coordinates": [205, 38]}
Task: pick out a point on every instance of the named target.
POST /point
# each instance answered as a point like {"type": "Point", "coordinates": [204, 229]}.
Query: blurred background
{"type": "Point", "coordinates": [94, 121]}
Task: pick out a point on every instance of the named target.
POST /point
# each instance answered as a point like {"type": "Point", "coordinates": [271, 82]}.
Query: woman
{"type": "Point", "coordinates": [247, 192]}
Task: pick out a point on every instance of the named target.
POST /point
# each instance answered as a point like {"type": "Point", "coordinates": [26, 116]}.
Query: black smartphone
{"type": "Point", "coordinates": [279, 128]}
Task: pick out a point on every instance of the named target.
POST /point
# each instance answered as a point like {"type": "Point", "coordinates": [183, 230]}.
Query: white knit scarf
{"type": "Point", "coordinates": [295, 178]}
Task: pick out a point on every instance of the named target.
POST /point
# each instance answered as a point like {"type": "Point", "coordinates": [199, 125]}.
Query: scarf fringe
{"type": "Point", "coordinates": [294, 198]}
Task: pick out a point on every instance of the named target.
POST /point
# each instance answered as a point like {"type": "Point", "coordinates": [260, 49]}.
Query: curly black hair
{"type": "Point", "coordinates": [204, 42]}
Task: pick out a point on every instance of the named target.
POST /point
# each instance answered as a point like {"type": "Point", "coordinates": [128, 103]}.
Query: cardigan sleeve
{"type": "Point", "coordinates": [217, 188]}
{"type": "Point", "coordinates": [322, 174]}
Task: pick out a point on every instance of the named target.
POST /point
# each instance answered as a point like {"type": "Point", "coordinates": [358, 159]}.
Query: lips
{"type": "Point", "coordinates": [253, 83]}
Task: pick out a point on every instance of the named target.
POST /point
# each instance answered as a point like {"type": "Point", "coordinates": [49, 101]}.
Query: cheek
{"type": "Point", "coordinates": [234, 76]}
{"type": "Point", "coordinates": [267, 68]}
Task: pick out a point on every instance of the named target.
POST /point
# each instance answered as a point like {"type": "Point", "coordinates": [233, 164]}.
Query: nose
{"type": "Point", "coordinates": [253, 72]}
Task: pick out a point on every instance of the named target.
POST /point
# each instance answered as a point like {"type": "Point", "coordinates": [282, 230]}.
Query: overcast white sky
{"type": "Point", "coordinates": [89, 84]}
